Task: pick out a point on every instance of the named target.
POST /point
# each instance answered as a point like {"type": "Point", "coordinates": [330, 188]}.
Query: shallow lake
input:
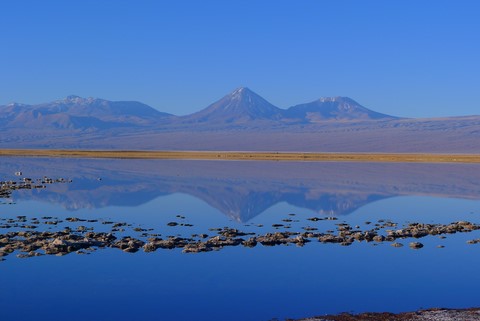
{"type": "Point", "coordinates": [241, 283]}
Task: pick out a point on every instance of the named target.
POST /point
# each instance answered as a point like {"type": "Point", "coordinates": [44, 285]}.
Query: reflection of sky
{"type": "Point", "coordinates": [240, 283]}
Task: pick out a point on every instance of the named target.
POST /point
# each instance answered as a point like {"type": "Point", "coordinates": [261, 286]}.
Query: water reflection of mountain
{"type": "Point", "coordinates": [242, 190]}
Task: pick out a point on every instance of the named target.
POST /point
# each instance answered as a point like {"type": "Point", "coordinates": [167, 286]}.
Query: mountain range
{"type": "Point", "coordinates": [241, 120]}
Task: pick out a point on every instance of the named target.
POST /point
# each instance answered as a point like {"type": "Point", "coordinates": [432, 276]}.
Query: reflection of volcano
{"type": "Point", "coordinates": [245, 206]}
{"type": "Point", "coordinates": [242, 190]}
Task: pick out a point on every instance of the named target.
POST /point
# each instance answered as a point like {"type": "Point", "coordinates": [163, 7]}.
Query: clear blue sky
{"type": "Point", "coordinates": [407, 58]}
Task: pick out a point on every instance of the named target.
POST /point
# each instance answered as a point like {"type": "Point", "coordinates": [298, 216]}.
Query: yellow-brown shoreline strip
{"type": "Point", "coordinates": [242, 155]}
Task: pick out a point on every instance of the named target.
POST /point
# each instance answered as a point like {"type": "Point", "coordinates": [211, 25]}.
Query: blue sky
{"type": "Point", "coordinates": [406, 58]}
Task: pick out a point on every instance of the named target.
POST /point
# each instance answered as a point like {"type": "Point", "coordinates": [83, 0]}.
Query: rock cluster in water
{"type": "Point", "coordinates": [29, 241]}
{"type": "Point", "coordinates": [25, 238]}
{"type": "Point", "coordinates": [6, 187]}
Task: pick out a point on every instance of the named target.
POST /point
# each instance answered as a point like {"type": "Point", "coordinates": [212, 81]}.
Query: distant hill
{"type": "Point", "coordinates": [75, 112]}
{"type": "Point", "coordinates": [333, 108]}
{"type": "Point", "coordinates": [241, 120]}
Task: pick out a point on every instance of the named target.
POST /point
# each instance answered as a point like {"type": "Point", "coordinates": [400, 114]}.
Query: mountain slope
{"type": "Point", "coordinates": [75, 112]}
{"type": "Point", "coordinates": [333, 108]}
{"type": "Point", "coordinates": [240, 106]}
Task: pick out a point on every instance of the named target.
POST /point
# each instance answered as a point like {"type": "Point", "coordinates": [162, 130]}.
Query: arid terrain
{"type": "Point", "coordinates": [227, 155]}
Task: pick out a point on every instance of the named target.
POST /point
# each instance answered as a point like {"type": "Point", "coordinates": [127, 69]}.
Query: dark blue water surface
{"type": "Point", "coordinates": [240, 283]}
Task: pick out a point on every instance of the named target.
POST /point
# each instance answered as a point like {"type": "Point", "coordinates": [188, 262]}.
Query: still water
{"type": "Point", "coordinates": [238, 283]}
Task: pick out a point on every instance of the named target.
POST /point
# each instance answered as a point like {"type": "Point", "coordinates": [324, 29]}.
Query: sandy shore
{"type": "Point", "coordinates": [240, 155]}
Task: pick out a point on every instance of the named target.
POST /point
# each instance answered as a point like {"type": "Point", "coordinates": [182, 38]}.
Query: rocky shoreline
{"type": "Point", "coordinates": [471, 314]}
{"type": "Point", "coordinates": [25, 237]}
